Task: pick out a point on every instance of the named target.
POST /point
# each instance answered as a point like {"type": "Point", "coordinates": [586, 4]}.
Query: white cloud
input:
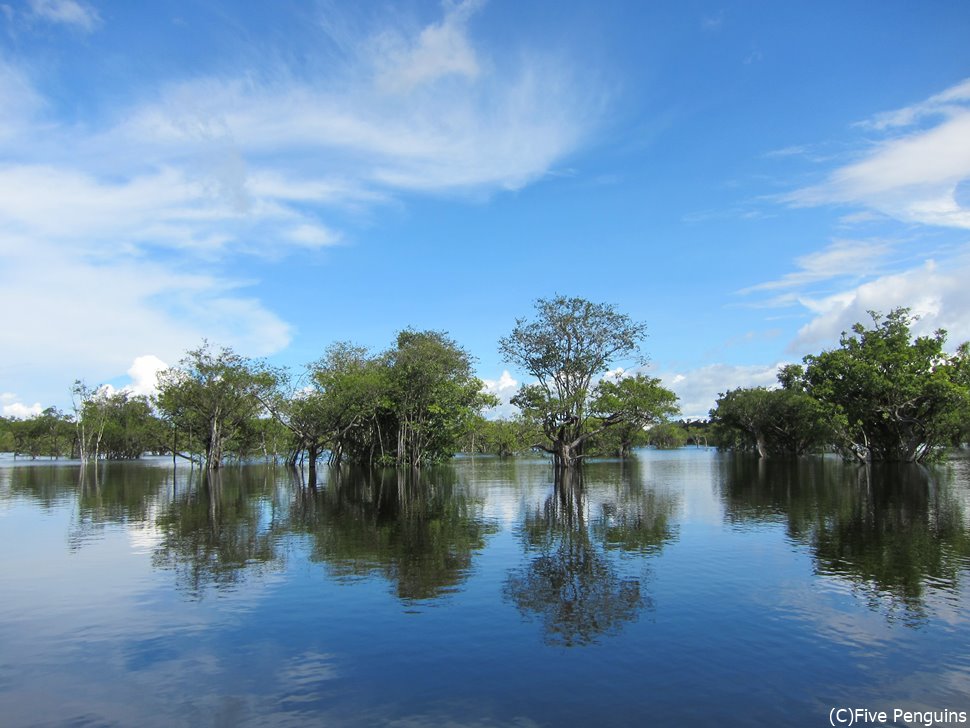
{"type": "Point", "coordinates": [941, 103]}
{"type": "Point", "coordinates": [441, 49]}
{"type": "Point", "coordinates": [939, 297]}
{"type": "Point", "coordinates": [144, 374]}
{"type": "Point", "coordinates": [10, 406]}
{"type": "Point", "coordinates": [68, 12]}
{"type": "Point", "coordinates": [104, 225]}
{"type": "Point", "coordinates": [504, 388]}
{"type": "Point", "coordinates": [914, 176]}
{"type": "Point", "coordinates": [698, 389]}
{"type": "Point", "coordinates": [841, 258]}
{"type": "Point", "coordinates": [106, 312]}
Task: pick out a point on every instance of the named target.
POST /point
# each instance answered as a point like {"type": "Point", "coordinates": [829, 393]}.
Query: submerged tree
{"type": "Point", "coordinates": [569, 346]}
{"type": "Point", "coordinates": [770, 421]}
{"type": "Point", "coordinates": [434, 395]}
{"type": "Point", "coordinates": [214, 396]}
{"type": "Point", "coordinates": [890, 396]}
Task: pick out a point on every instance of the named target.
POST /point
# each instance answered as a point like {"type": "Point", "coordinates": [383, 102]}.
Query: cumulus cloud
{"type": "Point", "coordinates": [144, 374]}
{"type": "Point", "coordinates": [11, 406]}
{"type": "Point", "coordinates": [939, 297]}
{"type": "Point", "coordinates": [914, 174]}
{"type": "Point", "coordinates": [504, 388]}
{"type": "Point", "coordinates": [698, 389]}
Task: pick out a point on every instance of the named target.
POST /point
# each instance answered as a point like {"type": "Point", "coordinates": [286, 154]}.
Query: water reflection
{"type": "Point", "coordinates": [417, 530]}
{"type": "Point", "coordinates": [219, 528]}
{"type": "Point", "coordinates": [570, 581]}
{"type": "Point", "coordinates": [896, 533]}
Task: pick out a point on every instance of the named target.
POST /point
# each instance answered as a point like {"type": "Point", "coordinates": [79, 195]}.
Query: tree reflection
{"type": "Point", "coordinates": [419, 530]}
{"type": "Point", "coordinates": [895, 531]}
{"type": "Point", "coordinates": [219, 529]}
{"type": "Point", "coordinates": [570, 581]}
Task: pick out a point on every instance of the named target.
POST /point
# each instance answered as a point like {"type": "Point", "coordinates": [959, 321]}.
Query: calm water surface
{"type": "Point", "coordinates": [683, 588]}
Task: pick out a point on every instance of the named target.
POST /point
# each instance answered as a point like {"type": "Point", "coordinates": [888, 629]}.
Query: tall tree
{"type": "Point", "coordinates": [569, 346]}
{"type": "Point", "coordinates": [214, 395]}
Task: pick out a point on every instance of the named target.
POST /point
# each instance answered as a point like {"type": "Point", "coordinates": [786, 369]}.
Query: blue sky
{"type": "Point", "coordinates": [747, 178]}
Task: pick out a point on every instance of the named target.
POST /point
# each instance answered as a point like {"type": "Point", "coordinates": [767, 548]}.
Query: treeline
{"type": "Point", "coordinates": [409, 405]}
{"type": "Point", "coordinates": [881, 395]}
{"type": "Point", "coordinates": [415, 403]}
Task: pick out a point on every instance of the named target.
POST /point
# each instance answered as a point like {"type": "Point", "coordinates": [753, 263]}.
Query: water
{"type": "Point", "coordinates": [684, 588]}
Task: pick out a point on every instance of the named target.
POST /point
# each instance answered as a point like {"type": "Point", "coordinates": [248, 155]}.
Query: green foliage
{"type": "Point", "coordinates": [570, 344]}
{"type": "Point", "coordinates": [499, 437]}
{"type": "Point", "coordinates": [411, 405]}
{"type": "Point", "coordinates": [779, 421]}
{"type": "Point", "coordinates": [433, 395]}
{"type": "Point", "coordinates": [49, 434]}
{"type": "Point", "coordinates": [889, 396]}
{"type": "Point", "coordinates": [214, 397]}
{"type": "Point", "coordinates": [116, 426]}
{"type": "Point", "coordinates": [667, 436]}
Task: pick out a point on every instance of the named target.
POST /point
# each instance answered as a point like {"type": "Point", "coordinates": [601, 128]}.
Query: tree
{"type": "Point", "coordinates": [890, 396]}
{"type": "Point", "coordinates": [569, 345]}
{"type": "Point", "coordinates": [433, 393]}
{"type": "Point", "coordinates": [213, 396]}
{"type": "Point", "coordinates": [770, 421]}
{"type": "Point", "coordinates": [667, 436]}
{"type": "Point", "coordinates": [352, 398]}
{"type": "Point", "coordinates": [639, 402]}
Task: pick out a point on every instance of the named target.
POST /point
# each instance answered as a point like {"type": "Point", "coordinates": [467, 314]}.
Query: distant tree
{"type": "Point", "coordinates": [569, 346]}
{"type": "Point", "coordinates": [411, 405]}
{"type": "Point", "coordinates": [889, 396]}
{"type": "Point", "coordinates": [214, 396]}
{"type": "Point", "coordinates": [6, 434]}
{"type": "Point", "coordinates": [351, 402]}
{"type": "Point", "coordinates": [667, 436]}
{"type": "Point", "coordinates": [130, 426]}
{"type": "Point", "coordinates": [502, 437]}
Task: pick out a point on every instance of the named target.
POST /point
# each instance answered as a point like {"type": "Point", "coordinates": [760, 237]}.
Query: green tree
{"type": "Point", "coordinates": [636, 402]}
{"type": "Point", "coordinates": [116, 425]}
{"type": "Point", "coordinates": [351, 401]}
{"type": "Point", "coordinates": [770, 421]}
{"type": "Point", "coordinates": [433, 394]}
{"type": "Point", "coordinates": [667, 436]}
{"type": "Point", "coordinates": [214, 396]}
{"type": "Point", "coordinates": [890, 396]}
{"type": "Point", "coordinates": [569, 345]}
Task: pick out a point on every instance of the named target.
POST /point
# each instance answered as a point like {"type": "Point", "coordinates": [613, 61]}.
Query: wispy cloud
{"type": "Point", "coordinates": [439, 50]}
{"type": "Point", "coordinates": [104, 225]}
{"type": "Point", "coordinates": [66, 12]}
{"type": "Point", "coordinates": [913, 175]}
{"type": "Point", "coordinates": [942, 104]}
{"type": "Point", "coordinates": [841, 259]}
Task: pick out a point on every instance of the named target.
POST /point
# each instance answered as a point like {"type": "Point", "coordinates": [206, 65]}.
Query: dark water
{"type": "Point", "coordinates": [685, 588]}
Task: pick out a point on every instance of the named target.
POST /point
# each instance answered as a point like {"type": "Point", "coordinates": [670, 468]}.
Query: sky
{"type": "Point", "coordinates": [748, 178]}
